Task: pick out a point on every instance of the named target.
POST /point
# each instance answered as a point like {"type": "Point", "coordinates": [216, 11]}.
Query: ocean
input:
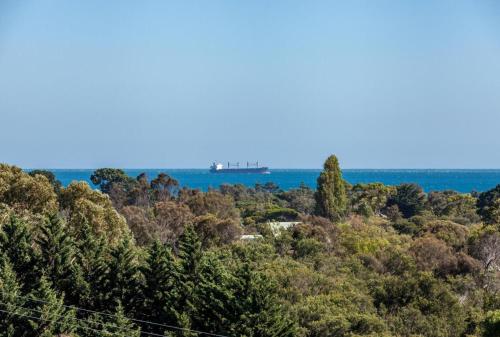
{"type": "Point", "coordinates": [430, 180]}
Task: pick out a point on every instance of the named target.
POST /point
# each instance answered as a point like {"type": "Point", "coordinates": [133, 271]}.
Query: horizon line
{"type": "Point", "coordinates": [276, 168]}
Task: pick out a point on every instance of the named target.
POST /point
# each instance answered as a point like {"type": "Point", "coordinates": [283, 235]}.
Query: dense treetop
{"type": "Point", "coordinates": [142, 255]}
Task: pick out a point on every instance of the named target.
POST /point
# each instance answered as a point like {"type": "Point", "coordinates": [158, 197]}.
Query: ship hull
{"type": "Point", "coordinates": [254, 170]}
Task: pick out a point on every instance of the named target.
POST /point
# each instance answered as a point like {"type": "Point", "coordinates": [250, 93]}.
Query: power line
{"type": "Point", "coordinates": [54, 321]}
{"type": "Point", "coordinates": [86, 321]}
{"type": "Point", "coordinates": [131, 319]}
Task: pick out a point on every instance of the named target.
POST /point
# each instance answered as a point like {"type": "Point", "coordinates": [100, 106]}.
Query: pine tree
{"type": "Point", "coordinates": [256, 308]}
{"type": "Point", "coordinates": [115, 325]}
{"type": "Point", "coordinates": [161, 287]}
{"type": "Point", "coordinates": [189, 253]}
{"type": "Point", "coordinates": [120, 326]}
{"type": "Point", "coordinates": [15, 243]}
{"type": "Point", "coordinates": [121, 281]}
{"type": "Point", "coordinates": [213, 292]}
{"type": "Point", "coordinates": [57, 253]}
{"type": "Point", "coordinates": [50, 316]}
{"type": "Point", "coordinates": [11, 301]}
{"type": "Point", "coordinates": [331, 199]}
{"type": "Point", "coordinates": [91, 259]}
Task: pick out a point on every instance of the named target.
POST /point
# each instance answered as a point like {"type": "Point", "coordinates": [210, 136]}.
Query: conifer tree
{"type": "Point", "coordinates": [114, 325]}
{"type": "Point", "coordinates": [91, 259]}
{"type": "Point", "coordinates": [161, 287]}
{"type": "Point", "coordinates": [256, 308]}
{"type": "Point", "coordinates": [57, 253]}
{"type": "Point", "coordinates": [189, 251]}
{"type": "Point", "coordinates": [213, 292]}
{"type": "Point", "coordinates": [189, 247]}
{"type": "Point", "coordinates": [331, 198]}
{"type": "Point", "coordinates": [11, 301]}
{"type": "Point", "coordinates": [121, 281]}
{"type": "Point", "coordinates": [15, 244]}
{"type": "Point", "coordinates": [120, 326]}
{"type": "Point", "coordinates": [49, 315]}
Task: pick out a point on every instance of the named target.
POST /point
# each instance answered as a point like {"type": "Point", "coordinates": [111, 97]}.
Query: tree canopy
{"type": "Point", "coordinates": [141, 257]}
{"type": "Point", "coordinates": [331, 199]}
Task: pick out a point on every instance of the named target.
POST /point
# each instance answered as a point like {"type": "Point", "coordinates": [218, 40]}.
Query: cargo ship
{"type": "Point", "coordinates": [235, 168]}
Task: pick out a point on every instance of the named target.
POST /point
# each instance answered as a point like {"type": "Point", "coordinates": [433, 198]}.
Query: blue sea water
{"type": "Point", "coordinates": [430, 180]}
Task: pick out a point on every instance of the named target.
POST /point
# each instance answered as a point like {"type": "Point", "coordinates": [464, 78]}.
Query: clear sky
{"type": "Point", "coordinates": [178, 84]}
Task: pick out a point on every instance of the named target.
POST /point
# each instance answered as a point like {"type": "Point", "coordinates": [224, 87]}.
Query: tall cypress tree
{"type": "Point", "coordinates": [161, 287]}
{"type": "Point", "coordinates": [331, 198]}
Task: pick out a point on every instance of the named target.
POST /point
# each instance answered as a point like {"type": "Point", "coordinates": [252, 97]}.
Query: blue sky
{"type": "Point", "coordinates": [382, 84]}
